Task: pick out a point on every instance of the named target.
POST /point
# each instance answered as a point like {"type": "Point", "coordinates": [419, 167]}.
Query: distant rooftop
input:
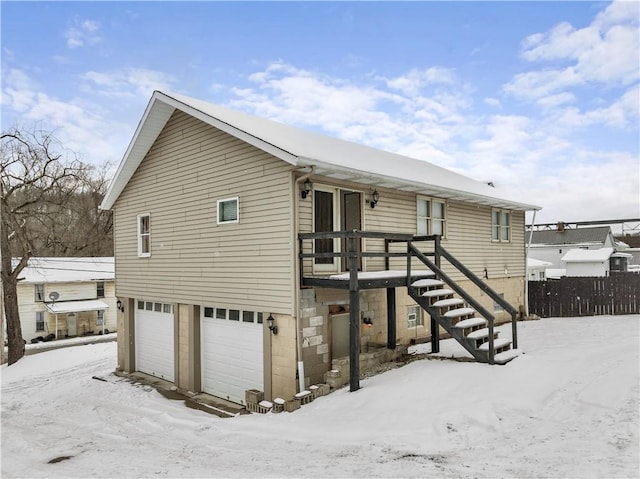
{"type": "Point", "coordinates": [68, 270]}
{"type": "Point", "coordinates": [596, 235]}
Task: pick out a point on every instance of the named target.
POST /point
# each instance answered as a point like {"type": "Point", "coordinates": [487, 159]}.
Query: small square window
{"type": "Point", "coordinates": [228, 211]}
{"type": "Point", "coordinates": [259, 318]}
{"type": "Point", "coordinates": [208, 312]}
{"type": "Point", "coordinates": [234, 315]}
{"type": "Point", "coordinates": [149, 306]}
{"type": "Point", "coordinates": [414, 316]}
{"type": "Point", "coordinates": [248, 316]}
{"type": "Point", "coordinates": [141, 305]}
{"type": "Point", "coordinates": [157, 307]}
{"type": "Point", "coordinates": [167, 308]}
{"type": "Point", "coordinates": [221, 313]}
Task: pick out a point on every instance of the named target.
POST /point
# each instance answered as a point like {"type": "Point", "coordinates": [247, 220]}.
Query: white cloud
{"type": "Point", "coordinates": [607, 52]}
{"type": "Point", "coordinates": [82, 33]}
{"type": "Point", "coordinates": [129, 82]}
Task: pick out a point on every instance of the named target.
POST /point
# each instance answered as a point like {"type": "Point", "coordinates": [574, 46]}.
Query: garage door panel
{"type": "Point", "coordinates": [232, 358]}
{"type": "Point", "coordinates": [155, 344]}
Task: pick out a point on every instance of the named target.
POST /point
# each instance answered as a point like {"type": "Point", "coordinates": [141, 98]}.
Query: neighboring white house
{"type": "Point", "coordinates": [594, 262]}
{"type": "Point", "coordinates": [536, 269]}
{"type": "Point", "coordinates": [67, 297]}
{"type": "Point", "coordinates": [553, 245]}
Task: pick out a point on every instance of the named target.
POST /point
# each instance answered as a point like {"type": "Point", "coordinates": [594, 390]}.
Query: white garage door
{"type": "Point", "coordinates": [232, 359]}
{"type": "Point", "coordinates": [154, 339]}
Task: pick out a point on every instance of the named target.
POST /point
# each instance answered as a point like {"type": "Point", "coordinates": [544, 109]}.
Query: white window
{"type": "Point", "coordinates": [431, 217]}
{"type": "Point", "coordinates": [414, 316]}
{"type": "Point", "coordinates": [144, 235]}
{"type": "Point", "coordinates": [100, 289]}
{"type": "Point", "coordinates": [40, 321]}
{"type": "Point", "coordinates": [100, 318]}
{"type": "Point", "coordinates": [228, 211]}
{"type": "Point", "coordinates": [39, 289]}
{"type": "Point", "coordinates": [500, 225]}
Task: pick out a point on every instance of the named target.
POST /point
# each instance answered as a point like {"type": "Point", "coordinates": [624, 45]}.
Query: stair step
{"type": "Point", "coordinates": [456, 313]}
{"type": "Point", "coordinates": [434, 293]}
{"type": "Point", "coordinates": [497, 344]}
{"type": "Point", "coordinates": [427, 283]}
{"type": "Point", "coordinates": [469, 323]}
{"type": "Point", "coordinates": [506, 356]}
{"type": "Point", "coordinates": [446, 303]}
{"type": "Point", "coordinates": [478, 333]}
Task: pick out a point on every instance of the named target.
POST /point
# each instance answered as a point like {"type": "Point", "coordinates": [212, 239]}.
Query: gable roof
{"type": "Point", "coordinates": [67, 270]}
{"type": "Point", "coordinates": [596, 235]}
{"type": "Point", "coordinates": [331, 157]}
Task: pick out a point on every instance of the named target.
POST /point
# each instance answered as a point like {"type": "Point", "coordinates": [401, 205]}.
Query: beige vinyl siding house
{"type": "Point", "coordinates": [210, 208]}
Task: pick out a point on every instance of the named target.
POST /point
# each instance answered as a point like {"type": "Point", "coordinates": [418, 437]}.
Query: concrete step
{"type": "Point", "coordinates": [436, 293]}
{"type": "Point", "coordinates": [427, 283]}
{"type": "Point", "coordinates": [497, 344]}
{"type": "Point", "coordinates": [470, 323]}
{"type": "Point", "coordinates": [457, 313]}
{"type": "Point", "coordinates": [448, 303]}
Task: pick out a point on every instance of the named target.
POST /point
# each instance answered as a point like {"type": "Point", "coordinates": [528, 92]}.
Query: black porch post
{"type": "Point", "coordinates": [435, 328]}
{"type": "Point", "coordinates": [354, 318]}
{"type": "Point", "coordinates": [391, 318]}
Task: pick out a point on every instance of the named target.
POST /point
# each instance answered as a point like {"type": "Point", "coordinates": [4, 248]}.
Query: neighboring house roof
{"type": "Point", "coordinates": [596, 235]}
{"type": "Point", "coordinates": [76, 306]}
{"type": "Point", "coordinates": [329, 156]}
{"type": "Point", "coordinates": [536, 263]}
{"type": "Point", "coordinates": [580, 255]}
{"type": "Point", "coordinates": [68, 270]}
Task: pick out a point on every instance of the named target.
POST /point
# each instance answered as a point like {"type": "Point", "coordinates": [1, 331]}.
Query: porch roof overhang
{"type": "Point", "coordinates": [76, 306]}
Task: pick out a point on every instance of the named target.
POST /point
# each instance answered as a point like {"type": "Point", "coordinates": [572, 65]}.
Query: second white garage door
{"type": "Point", "coordinates": [232, 353]}
{"type": "Point", "coordinates": [155, 339]}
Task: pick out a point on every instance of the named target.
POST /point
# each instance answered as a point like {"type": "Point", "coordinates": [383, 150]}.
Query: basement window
{"type": "Point", "coordinates": [414, 316]}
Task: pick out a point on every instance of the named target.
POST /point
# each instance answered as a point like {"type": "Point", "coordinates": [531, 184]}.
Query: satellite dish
{"type": "Point", "coordinates": [53, 296]}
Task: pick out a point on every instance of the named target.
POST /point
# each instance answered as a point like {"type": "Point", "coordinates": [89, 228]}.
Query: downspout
{"type": "Point", "coordinates": [296, 267]}
{"type": "Point", "coordinates": [526, 271]}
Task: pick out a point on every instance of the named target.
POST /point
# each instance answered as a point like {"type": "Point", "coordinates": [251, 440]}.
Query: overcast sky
{"type": "Point", "coordinates": [539, 98]}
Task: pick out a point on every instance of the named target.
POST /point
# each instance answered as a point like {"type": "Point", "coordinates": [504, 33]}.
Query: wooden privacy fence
{"type": "Point", "coordinates": [589, 296]}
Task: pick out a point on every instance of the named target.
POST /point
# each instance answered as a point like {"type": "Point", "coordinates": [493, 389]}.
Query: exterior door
{"type": "Point", "coordinates": [334, 210]}
{"type": "Point", "coordinates": [351, 215]}
{"type": "Point", "coordinates": [339, 336]}
{"type": "Point", "coordinates": [72, 328]}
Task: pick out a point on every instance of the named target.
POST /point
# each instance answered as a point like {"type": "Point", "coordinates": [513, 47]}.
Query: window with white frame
{"type": "Point", "coordinates": [40, 321]}
{"type": "Point", "coordinates": [431, 217]}
{"type": "Point", "coordinates": [100, 289]}
{"type": "Point", "coordinates": [500, 225]}
{"type": "Point", "coordinates": [39, 292]}
{"type": "Point", "coordinates": [414, 316]}
{"type": "Point", "coordinates": [99, 318]}
{"type": "Point", "coordinates": [144, 235]}
{"type": "Point", "coordinates": [228, 211]}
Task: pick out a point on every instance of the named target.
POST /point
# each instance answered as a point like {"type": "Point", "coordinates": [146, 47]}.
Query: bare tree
{"type": "Point", "coordinates": [38, 183]}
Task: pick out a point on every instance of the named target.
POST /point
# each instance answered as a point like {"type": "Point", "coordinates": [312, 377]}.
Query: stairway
{"type": "Point", "coordinates": [460, 321]}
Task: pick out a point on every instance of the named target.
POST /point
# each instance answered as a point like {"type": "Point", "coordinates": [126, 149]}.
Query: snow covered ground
{"type": "Point", "coordinates": [568, 407]}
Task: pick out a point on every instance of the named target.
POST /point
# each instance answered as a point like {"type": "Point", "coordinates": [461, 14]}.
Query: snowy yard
{"type": "Point", "coordinates": [568, 407]}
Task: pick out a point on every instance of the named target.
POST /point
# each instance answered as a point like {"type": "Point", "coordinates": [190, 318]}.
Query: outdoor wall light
{"type": "Point", "coordinates": [307, 185]}
{"type": "Point", "coordinates": [120, 306]}
{"type": "Point", "coordinates": [367, 321]}
{"type": "Point", "coordinates": [271, 323]}
{"type": "Point", "coordinates": [374, 198]}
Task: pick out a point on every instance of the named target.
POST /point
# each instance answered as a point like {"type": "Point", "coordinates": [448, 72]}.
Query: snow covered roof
{"type": "Point", "coordinates": [580, 255]}
{"type": "Point", "coordinates": [68, 270]}
{"type": "Point", "coordinates": [77, 306]}
{"type": "Point", "coordinates": [331, 157]}
{"type": "Point", "coordinates": [537, 263]}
